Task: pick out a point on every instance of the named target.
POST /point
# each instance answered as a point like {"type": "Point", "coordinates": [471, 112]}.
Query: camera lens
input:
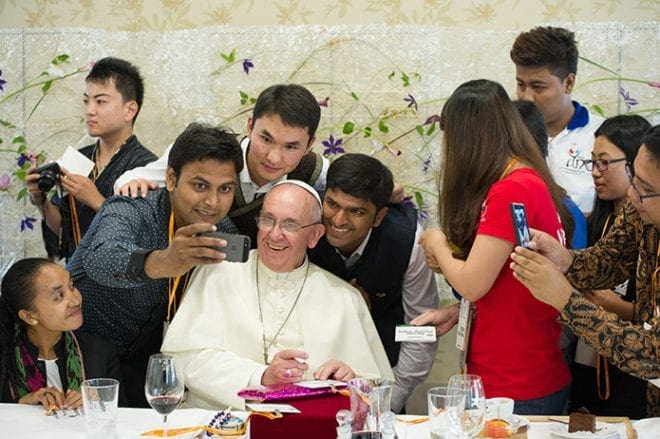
{"type": "Point", "coordinates": [46, 182]}
{"type": "Point", "coordinates": [47, 176]}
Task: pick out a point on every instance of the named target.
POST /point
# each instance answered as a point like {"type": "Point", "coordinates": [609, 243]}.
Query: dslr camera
{"type": "Point", "coordinates": [48, 176]}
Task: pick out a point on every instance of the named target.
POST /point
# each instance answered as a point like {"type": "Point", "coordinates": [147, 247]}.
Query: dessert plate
{"type": "Point", "coordinates": [603, 431]}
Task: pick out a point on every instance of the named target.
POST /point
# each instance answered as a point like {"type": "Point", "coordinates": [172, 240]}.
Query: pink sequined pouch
{"type": "Point", "coordinates": [290, 391]}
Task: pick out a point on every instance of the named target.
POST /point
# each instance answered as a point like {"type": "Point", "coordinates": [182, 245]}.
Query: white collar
{"type": "Point", "coordinates": [244, 177]}
{"type": "Point", "coordinates": [357, 254]}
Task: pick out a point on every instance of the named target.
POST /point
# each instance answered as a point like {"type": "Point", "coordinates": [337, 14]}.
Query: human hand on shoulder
{"type": "Point", "coordinates": [48, 397]}
{"type": "Point", "coordinates": [334, 369]}
{"type": "Point", "coordinates": [397, 193]}
{"type": "Point", "coordinates": [137, 187]}
{"type": "Point", "coordinates": [186, 250]}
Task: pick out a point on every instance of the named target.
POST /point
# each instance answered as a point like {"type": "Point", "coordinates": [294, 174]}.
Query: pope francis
{"type": "Point", "coordinates": [275, 319]}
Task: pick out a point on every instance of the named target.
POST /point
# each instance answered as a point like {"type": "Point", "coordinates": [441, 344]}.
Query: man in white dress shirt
{"type": "Point", "coordinates": [277, 318]}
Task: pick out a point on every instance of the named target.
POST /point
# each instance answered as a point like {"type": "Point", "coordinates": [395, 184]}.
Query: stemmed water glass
{"type": "Point", "coordinates": [468, 415]}
{"type": "Point", "coordinates": [163, 386]}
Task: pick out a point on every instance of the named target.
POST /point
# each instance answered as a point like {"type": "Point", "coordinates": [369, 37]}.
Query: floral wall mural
{"type": "Point", "coordinates": [380, 87]}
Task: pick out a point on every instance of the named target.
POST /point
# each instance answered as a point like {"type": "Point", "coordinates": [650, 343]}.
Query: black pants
{"type": "Point", "coordinates": [134, 372]}
{"type": "Point", "coordinates": [627, 393]}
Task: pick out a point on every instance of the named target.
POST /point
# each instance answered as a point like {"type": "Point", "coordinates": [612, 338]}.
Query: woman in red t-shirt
{"type": "Point", "coordinates": [490, 161]}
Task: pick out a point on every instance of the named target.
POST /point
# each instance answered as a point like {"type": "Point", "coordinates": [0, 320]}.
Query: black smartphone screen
{"type": "Point", "coordinates": [520, 225]}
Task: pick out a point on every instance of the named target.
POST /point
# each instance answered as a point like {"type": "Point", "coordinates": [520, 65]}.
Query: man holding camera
{"type": "Point", "coordinates": [113, 98]}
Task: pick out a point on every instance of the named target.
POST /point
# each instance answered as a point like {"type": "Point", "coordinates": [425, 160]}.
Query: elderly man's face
{"type": "Point", "coordinates": [646, 183]}
{"type": "Point", "coordinates": [283, 251]}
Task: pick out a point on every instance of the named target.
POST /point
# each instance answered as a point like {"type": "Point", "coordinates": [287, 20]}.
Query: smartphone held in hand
{"type": "Point", "coordinates": [520, 225]}
{"type": "Point", "coordinates": [238, 246]}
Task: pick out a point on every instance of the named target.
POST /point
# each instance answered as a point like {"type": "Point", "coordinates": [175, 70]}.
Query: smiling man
{"type": "Point", "coordinates": [134, 261]}
{"type": "Point", "coordinates": [630, 248]}
{"type": "Point", "coordinates": [279, 319]}
{"type": "Point", "coordinates": [546, 61]}
{"type": "Point", "coordinates": [373, 245]}
{"type": "Point", "coordinates": [280, 134]}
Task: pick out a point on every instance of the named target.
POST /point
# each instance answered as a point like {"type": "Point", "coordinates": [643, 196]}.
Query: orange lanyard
{"type": "Point", "coordinates": [173, 282]}
{"type": "Point", "coordinates": [509, 166]}
{"type": "Point", "coordinates": [75, 222]}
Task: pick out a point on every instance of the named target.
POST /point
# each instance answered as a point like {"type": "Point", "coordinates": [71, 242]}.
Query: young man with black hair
{"type": "Point", "coordinates": [373, 245]}
{"type": "Point", "coordinates": [112, 98]}
{"type": "Point", "coordinates": [546, 61]}
{"type": "Point", "coordinates": [280, 134]}
{"type": "Point", "coordinates": [132, 265]}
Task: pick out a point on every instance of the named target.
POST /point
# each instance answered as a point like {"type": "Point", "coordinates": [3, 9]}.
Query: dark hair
{"type": "Point", "coordinates": [295, 105]}
{"type": "Point", "coordinates": [552, 47]}
{"type": "Point", "coordinates": [200, 142]}
{"type": "Point", "coordinates": [18, 292]}
{"type": "Point", "coordinates": [533, 119]}
{"type": "Point", "coordinates": [626, 132]}
{"type": "Point", "coordinates": [652, 141]}
{"type": "Point", "coordinates": [126, 76]}
{"type": "Point", "coordinates": [361, 176]}
{"type": "Point", "coordinates": [482, 132]}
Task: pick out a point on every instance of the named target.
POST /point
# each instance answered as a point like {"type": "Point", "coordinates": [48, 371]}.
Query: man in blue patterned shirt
{"type": "Point", "coordinates": [137, 254]}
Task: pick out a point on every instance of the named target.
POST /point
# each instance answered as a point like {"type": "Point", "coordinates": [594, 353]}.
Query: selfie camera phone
{"type": "Point", "coordinates": [520, 225]}
{"type": "Point", "coordinates": [238, 246]}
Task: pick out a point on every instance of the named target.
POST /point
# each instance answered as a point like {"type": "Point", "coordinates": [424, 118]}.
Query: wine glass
{"type": "Point", "coordinates": [164, 386]}
{"type": "Point", "coordinates": [468, 414]}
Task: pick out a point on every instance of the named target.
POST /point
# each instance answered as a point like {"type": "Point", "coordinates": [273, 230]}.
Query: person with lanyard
{"type": "Point", "coordinates": [603, 388]}
{"type": "Point", "coordinates": [43, 356]}
{"type": "Point", "coordinates": [276, 319]}
{"type": "Point", "coordinates": [113, 98]}
{"type": "Point", "coordinates": [278, 146]}
{"type": "Point", "coordinates": [629, 340]}
{"type": "Point", "coordinates": [133, 263]}
{"type": "Point", "coordinates": [280, 135]}
{"type": "Point", "coordinates": [490, 161]}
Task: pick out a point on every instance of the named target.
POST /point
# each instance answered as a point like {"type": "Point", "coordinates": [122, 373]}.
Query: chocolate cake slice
{"type": "Point", "coordinates": [581, 420]}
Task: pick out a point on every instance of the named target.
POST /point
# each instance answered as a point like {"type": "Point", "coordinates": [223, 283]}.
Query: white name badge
{"type": "Point", "coordinates": [420, 334]}
{"type": "Point", "coordinates": [464, 323]}
{"type": "Point", "coordinates": [321, 384]}
{"type": "Point", "coordinates": [273, 408]}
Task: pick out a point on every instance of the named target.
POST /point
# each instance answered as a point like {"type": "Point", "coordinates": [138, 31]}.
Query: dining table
{"type": "Point", "coordinates": [30, 421]}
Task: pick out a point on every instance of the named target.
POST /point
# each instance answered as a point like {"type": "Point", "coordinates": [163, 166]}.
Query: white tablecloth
{"type": "Point", "coordinates": [24, 421]}
{"type": "Point", "coordinates": [645, 428]}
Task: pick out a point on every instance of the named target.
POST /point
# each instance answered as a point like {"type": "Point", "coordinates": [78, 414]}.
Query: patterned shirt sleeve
{"type": "Point", "coordinates": [627, 345]}
{"type": "Point", "coordinates": [610, 261]}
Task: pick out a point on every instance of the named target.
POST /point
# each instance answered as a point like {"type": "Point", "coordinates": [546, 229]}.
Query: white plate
{"type": "Point", "coordinates": [521, 420]}
{"type": "Point", "coordinates": [604, 431]}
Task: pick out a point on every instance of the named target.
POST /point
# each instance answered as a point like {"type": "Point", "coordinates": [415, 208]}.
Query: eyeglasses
{"type": "Point", "coordinates": [600, 164]}
{"type": "Point", "coordinates": [630, 172]}
{"type": "Point", "coordinates": [266, 223]}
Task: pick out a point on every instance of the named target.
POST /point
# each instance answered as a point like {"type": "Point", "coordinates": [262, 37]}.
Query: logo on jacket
{"type": "Point", "coordinates": [574, 160]}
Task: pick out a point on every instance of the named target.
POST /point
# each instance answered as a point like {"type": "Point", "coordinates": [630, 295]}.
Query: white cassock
{"type": "Point", "coordinates": [218, 335]}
